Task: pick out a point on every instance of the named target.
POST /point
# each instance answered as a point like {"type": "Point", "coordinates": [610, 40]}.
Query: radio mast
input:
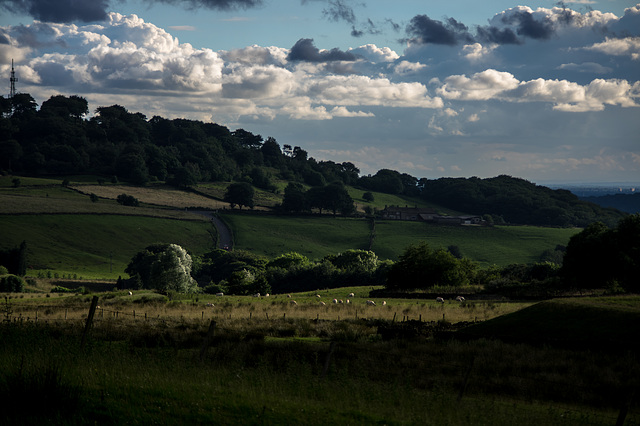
{"type": "Point", "coordinates": [13, 80]}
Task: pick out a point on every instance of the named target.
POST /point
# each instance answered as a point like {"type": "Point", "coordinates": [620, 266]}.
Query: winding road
{"type": "Point", "coordinates": [225, 238]}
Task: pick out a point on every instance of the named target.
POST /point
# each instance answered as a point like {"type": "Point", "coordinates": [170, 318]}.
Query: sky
{"type": "Point", "coordinates": [547, 91]}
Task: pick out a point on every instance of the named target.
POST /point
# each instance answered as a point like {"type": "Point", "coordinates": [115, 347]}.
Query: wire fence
{"type": "Point", "coordinates": [529, 392]}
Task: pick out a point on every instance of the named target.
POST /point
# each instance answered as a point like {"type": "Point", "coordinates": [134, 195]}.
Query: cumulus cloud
{"type": "Point", "coordinates": [424, 30]}
{"type": "Point", "coordinates": [628, 46]}
{"type": "Point", "coordinates": [565, 95]}
{"type": "Point", "coordinates": [305, 50]}
{"type": "Point", "coordinates": [212, 4]}
{"type": "Point", "coordinates": [58, 10]}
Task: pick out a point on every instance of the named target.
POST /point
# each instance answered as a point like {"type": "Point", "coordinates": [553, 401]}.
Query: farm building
{"type": "Point", "coordinates": [428, 215]}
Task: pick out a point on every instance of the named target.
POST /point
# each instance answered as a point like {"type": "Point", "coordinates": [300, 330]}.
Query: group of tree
{"type": "Point", "coordinates": [596, 258]}
{"type": "Point", "coordinates": [58, 139]}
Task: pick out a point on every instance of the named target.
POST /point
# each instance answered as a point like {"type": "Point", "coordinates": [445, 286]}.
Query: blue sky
{"type": "Point", "coordinates": [542, 90]}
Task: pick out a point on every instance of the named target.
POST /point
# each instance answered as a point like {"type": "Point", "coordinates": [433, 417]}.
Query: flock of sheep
{"type": "Point", "coordinates": [338, 301]}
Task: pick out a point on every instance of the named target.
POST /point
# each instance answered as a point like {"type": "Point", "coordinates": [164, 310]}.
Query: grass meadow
{"type": "Point", "coordinates": [172, 367]}
{"type": "Point", "coordinates": [316, 237]}
{"type": "Point", "coordinates": [96, 246]}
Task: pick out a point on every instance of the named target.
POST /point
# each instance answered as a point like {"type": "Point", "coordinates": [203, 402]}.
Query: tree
{"type": "Point", "coordinates": [164, 267]}
{"type": "Point", "coordinates": [127, 200]}
{"type": "Point", "coordinates": [421, 267]}
{"type": "Point", "coordinates": [294, 198]}
{"type": "Point", "coordinates": [240, 194]}
{"type": "Point", "coordinates": [368, 197]}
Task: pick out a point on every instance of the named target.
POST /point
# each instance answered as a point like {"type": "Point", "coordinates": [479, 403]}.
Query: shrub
{"type": "Point", "coordinates": [127, 200]}
{"type": "Point", "coordinates": [11, 284]}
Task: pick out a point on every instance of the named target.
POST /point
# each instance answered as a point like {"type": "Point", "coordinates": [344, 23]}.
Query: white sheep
{"type": "Point", "coordinates": [340, 301]}
{"type": "Point", "coordinates": [219, 294]}
{"type": "Point", "coordinates": [384, 302]}
{"type": "Point", "coordinates": [352, 295]}
{"type": "Point", "coordinates": [256, 295]}
{"type": "Point", "coordinates": [371, 303]}
{"type": "Point", "coordinates": [318, 296]}
{"type": "Point", "coordinates": [266, 295]}
{"type": "Point", "coordinates": [348, 301]}
{"type": "Point", "coordinates": [288, 295]}
{"type": "Point", "coordinates": [335, 301]}
{"type": "Point", "coordinates": [293, 302]}
{"type": "Point", "coordinates": [210, 305]}
{"type": "Point", "coordinates": [439, 299]}
{"type": "Point", "coordinates": [322, 304]}
{"type": "Point", "coordinates": [130, 294]}
{"type": "Point", "coordinates": [460, 299]}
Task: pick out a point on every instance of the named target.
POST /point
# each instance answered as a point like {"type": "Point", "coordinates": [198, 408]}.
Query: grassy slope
{"type": "Point", "coordinates": [598, 323]}
{"type": "Point", "coordinates": [315, 237]}
{"type": "Point", "coordinates": [82, 244]}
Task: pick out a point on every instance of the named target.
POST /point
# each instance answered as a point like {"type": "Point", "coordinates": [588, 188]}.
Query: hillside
{"type": "Point", "coordinates": [118, 145]}
{"type": "Point", "coordinates": [69, 234]}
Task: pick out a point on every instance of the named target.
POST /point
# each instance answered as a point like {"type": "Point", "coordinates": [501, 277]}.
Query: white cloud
{"type": "Point", "coordinates": [628, 46]}
{"type": "Point", "coordinates": [588, 67]}
{"type": "Point", "coordinates": [406, 67]}
{"type": "Point", "coordinates": [373, 53]}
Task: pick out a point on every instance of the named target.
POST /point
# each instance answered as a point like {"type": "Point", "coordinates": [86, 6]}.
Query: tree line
{"type": "Point", "coordinates": [57, 139]}
{"type": "Point", "coordinates": [596, 258]}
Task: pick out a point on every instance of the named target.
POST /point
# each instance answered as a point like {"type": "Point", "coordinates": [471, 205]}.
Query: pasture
{"type": "Point", "coordinates": [171, 367]}
{"type": "Point", "coordinates": [316, 237]}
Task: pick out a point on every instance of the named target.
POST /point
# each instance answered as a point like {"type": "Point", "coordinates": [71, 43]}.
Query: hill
{"type": "Point", "coordinates": [629, 203]}
{"type": "Point", "coordinates": [600, 324]}
{"type": "Point", "coordinates": [118, 145]}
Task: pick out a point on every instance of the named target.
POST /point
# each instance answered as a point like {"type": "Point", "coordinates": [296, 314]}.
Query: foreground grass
{"type": "Point", "coordinates": [155, 372]}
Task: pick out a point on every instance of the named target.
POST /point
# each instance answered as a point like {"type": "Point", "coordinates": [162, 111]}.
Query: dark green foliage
{"type": "Point", "coordinates": [515, 200]}
{"type": "Point", "coordinates": [600, 257]}
{"type": "Point", "coordinates": [294, 200]}
{"type": "Point", "coordinates": [420, 267]}
{"type": "Point", "coordinates": [94, 198]}
{"type": "Point", "coordinates": [11, 284]}
{"type": "Point", "coordinates": [15, 260]}
{"type": "Point", "coordinates": [387, 181]}
{"type": "Point", "coordinates": [240, 194]}
{"type": "Point", "coordinates": [368, 196]}
{"type": "Point", "coordinates": [128, 200]}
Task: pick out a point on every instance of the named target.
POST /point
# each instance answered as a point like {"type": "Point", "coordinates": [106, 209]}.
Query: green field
{"type": "Point", "coordinates": [96, 246]}
{"type": "Point", "coordinates": [316, 237]}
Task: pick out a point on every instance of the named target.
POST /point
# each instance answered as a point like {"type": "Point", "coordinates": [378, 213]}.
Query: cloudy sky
{"type": "Point", "coordinates": [548, 91]}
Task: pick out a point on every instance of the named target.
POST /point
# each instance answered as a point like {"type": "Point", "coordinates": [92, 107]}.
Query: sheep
{"type": "Point", "coordinates": [256, 295]}
{"type": "Point", "coordinates": [371, 303]}
{"type": "Point", "coordinates": [335, 301]}
{"type": "Point", "coordinates": [348, 301]}
{"type": "Point", "coordinates": [210, 305]}
{"type": "Point", "coordinates": [219, 294]}
{"type": "Point", "coordinates": [322, 304]}
{"type": "Point", "coordinates": [384, 302]}
{"type": "Point", "coordinates": [318, 296]}
{"type": "Point", "coordinates": [293, 302]}
{"type": "Point", "coordinates": [266, 295]}
{"type": "Point", "coordinates": [439, 299]}
{"type": "Point", "coordinates": [352, 295]}
{"type": "Point", "coordinates": [460, 299]}
{"type": "Point", "coordinates": [288, 295]}
{"type": "Point", "coordinates": [130, 294]}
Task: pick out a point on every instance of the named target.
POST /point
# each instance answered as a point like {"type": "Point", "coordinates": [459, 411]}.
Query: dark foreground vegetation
{"type": "Point", "coordinates": [172, 370]}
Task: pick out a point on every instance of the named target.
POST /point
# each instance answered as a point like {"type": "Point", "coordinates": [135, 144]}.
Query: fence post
{"type": "Point", "coordinates": [92, 311]}
{"type": "Point", "coordinates": [207, 340]}
{"type": "Point", "coordinates": [327, 360]}
{"type": "Point", "coordinates": [466, 379]}
{"type": "Point", "coordinates": [624, 410]}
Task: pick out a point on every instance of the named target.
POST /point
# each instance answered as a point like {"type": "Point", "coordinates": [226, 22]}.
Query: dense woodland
{"type": "Point", "coordinates": [57, 139]}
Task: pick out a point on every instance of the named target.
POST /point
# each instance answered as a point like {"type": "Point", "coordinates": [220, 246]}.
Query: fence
{"type": "Point", "coordinates": [469, 379]}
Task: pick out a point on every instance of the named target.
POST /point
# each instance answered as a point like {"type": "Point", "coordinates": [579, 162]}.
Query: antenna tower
{"type": "Point", "coordinates": [13, 80]}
